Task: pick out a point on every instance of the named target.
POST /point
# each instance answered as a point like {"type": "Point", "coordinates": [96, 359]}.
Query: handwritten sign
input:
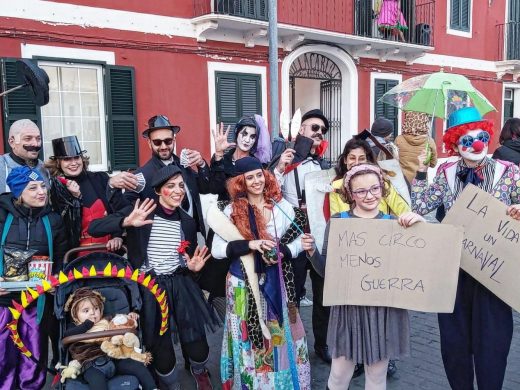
{"type": "Point", "coordinates": [373, 262]}
{"type": "Point", "coordinates": [491, 244]}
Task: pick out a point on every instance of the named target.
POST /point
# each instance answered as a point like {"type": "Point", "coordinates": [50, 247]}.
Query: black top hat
{"type": "Point", "coordinates": [316, 113]}
{"type": "Point", "coordinates": [66, 147]}
{"type": "Point", "coordinates": [164, 174]}
{"type": "Point", "coordinates": [159, 122]}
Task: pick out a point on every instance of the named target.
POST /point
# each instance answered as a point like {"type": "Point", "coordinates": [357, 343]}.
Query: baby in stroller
{"type": "Point", "coordinates": [85, 307]}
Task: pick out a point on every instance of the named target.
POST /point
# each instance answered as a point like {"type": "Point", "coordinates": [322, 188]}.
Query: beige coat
{"type": "Point", "coordinates": [410, 146]}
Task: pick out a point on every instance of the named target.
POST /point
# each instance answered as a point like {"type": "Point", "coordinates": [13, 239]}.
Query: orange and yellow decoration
{"type": "Point", "coordinates": [31, 295]}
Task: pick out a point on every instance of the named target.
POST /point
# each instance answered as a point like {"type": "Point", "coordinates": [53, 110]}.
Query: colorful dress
{"type": "Point", "coordinates": [243, 365]}
{"type": "Point", "coordinates": [390, 16]}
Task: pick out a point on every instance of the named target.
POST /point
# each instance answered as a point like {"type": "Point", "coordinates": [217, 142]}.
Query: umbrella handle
{"type": "Point", "coordinates": [13, 89]}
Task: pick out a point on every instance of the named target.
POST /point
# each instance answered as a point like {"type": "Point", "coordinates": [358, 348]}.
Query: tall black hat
{"type": "Point", "coordinates": [160, 122]}
{"type": "Point", "coordinates": [66, 147]}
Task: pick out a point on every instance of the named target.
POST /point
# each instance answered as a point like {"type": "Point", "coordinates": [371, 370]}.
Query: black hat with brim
{"type": "Point", "coordinates": [164, 174]}
{"type": "Point", "coordinates": [316, 113]}
{"type": "Point", "coordinates": [66, 147]}
{"type": "Point", "coordinates": [159, 122]}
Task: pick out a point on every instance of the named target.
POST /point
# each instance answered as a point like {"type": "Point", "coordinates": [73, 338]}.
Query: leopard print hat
{"type": "Point", "coordinates": [416, 123]}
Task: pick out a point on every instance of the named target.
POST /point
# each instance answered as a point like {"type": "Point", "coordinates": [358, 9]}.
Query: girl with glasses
{"type": "Point", "coordinates": [368, 335]}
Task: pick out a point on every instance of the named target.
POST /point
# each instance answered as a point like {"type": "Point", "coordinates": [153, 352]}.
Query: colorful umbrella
{"type": "Point", "coordinates": [437, 94]}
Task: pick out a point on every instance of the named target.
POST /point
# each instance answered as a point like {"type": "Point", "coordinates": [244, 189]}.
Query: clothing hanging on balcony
{"type": "Point", "coordinates": [389, 15]}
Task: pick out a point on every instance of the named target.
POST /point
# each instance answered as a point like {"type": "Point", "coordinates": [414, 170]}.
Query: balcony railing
{"type": "Point", "coordinates": [508, 41]}
{"type": "Point", "coordinates": [417, 19]}
{"type": "Point", "coordinates": [251, 9]}
{"type": "Point", "coordinates": [354, 17]}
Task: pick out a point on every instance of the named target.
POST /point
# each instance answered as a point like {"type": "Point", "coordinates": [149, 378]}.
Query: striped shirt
{"type": "Point", "coordinates": [165, 238]}
{"type": "Point", "coordinates": [487, 169]}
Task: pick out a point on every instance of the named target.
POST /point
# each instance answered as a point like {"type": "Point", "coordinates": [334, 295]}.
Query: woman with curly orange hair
{"type": "Point", "coordinates": [264, 345]}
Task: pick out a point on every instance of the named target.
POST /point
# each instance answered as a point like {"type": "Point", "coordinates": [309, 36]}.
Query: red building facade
{"type": "Point", "coordinates": [114, 64]}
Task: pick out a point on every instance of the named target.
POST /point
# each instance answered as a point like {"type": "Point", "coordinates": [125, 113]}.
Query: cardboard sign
{"type": "Point", "coordinates": [374, 262]}
{"type": "Point", "coordinates": [491, 244]}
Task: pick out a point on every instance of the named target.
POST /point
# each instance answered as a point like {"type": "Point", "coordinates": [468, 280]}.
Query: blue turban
{"type": "Point", "coordinates": [19, 177]}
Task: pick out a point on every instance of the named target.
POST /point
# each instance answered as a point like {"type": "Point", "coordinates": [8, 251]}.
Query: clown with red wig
{"type": "Point", "coordinates": [476, 337]}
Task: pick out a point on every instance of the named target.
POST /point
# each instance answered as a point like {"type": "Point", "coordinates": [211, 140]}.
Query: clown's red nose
{"type": "Point", "coordinates": [478, 146]}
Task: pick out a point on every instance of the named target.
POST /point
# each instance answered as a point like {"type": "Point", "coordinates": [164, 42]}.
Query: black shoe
{"type": "Point", "coordinates": [323, 353]}
{"type": "Point", "coordinates": [358, 370]}
{"type": "Point", "coordinates": [392, 369]}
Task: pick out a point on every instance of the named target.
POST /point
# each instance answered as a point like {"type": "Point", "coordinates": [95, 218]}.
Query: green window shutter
{"type": "Point", "coordinates": [17, 104]}
{"type": "Point", "coordinates": [465, 12]}
{"type": "Point", "coordinates": [460, 11]}
{"type": "Point", "coordinates": [121, 117]}
{"type": "Point", "coordinates": [455, 14]}
{"type": "Point", "coordinates": [238, 94]}
{"type": "Point", "coordinates": [382, 86]}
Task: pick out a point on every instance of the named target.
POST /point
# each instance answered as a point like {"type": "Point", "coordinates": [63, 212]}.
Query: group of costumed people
{"type": "Point", "coordinates": [259, 243]}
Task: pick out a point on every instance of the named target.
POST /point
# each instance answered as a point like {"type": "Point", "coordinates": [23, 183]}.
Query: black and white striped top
{"type": "Point", "coordinates": [164, 241]}
{"type": "Point", "coordinates": [487, 169]}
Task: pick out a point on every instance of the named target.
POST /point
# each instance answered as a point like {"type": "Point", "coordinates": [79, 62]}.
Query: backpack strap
{"type": "Point", "coordinates": [344, 214]}
{"type": "Point", "coordinates": [386, 216]}
{"type": "Point", "coordinates": [7, 226]}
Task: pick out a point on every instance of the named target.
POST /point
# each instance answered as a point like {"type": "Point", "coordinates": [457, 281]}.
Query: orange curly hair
{"type": "Point", "coordinates": [236, 187]}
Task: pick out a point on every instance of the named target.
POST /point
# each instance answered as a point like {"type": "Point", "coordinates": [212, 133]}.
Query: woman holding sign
{"type": "Point", "coordinates": [363, 334]}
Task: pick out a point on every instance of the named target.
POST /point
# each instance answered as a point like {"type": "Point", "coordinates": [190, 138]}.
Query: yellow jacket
{"type": "Point", "coordinates": [393, 203]}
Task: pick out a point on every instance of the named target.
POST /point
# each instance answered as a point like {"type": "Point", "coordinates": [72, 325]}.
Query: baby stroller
{"type": "Point", "coordinates": [121, 297]}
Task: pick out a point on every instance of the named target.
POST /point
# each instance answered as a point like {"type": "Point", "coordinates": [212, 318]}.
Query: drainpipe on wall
{"type": "Point", "coordinates": [272, 9]}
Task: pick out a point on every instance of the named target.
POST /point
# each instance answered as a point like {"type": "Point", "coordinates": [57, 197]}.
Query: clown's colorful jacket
{"type": "Point", "coordinates": [426, 198]}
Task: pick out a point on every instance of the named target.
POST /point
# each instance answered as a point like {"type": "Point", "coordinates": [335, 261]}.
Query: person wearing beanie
{"type": "Point", "coordinates": [30, 229]}
{"type": "Point", "coordinates": [383, 130]}
{"type": "Point", "coordinates": [162, 240]}
{"type": "Point", "coordinates": [259, 313]}
{"type": "Point", "coordinates": [25, 141]}
{"type": "Point", "coordinates": [412, 141]}
{"type": "Point", "coordinates": [476, 337]}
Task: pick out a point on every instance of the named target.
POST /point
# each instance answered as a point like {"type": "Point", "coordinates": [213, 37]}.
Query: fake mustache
{"type": "Point", "coordinates": [318, 136]}
{"type": "Point", "coordinates": [30, 148]}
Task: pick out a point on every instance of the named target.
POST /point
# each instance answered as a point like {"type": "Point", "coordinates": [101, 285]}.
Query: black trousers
{"type": "Point", "coordinates": [476, 337]}
{"type": "Point", "coordinates": [97, 381]}
{"type": "Point", "coordinates": [320, 313]}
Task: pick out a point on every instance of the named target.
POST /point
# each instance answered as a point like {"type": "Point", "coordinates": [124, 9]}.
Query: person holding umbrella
{"type": "Point", "coordinates": [476, 337]}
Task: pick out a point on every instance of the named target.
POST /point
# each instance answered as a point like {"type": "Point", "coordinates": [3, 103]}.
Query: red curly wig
{"type": "Point", "coordinates": [236, 187]}
{"type": "Point", "coordinates": [452, 136]}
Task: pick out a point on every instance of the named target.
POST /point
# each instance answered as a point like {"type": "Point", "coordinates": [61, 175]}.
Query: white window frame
{"type": "Point", "coordinates": [214, 67]}
{"type": "Point", "coordinates": [459, 33]}
{"type": "Point", "coordinates": [516, 98]}
{"type": "Point", "coordinates": [385, 76]}
{"type": "Point", "coordinates": [102, 115]}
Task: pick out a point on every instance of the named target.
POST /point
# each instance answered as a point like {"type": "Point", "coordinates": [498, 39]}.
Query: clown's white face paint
{"type": "Point", "coordinates": [246, 138]}
{"type": "Point", "coordinates": [477, 151]}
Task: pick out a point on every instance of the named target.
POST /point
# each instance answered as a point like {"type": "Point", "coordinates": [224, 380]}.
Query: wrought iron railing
{"type": "Point", "coordinates": [412, 22]}
{"type": "Point", "coordinates": [508, 41]}
{"type": "Point", "coordinates": [251, 9]}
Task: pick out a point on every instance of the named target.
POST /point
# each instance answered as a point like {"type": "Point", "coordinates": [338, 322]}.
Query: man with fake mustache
{"type": "Point", "coordinates": [476, 337]}
{"type": "Point", "coordinates": [25, 140]}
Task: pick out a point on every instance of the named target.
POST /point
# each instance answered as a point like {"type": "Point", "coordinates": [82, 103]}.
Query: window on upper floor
{"type": "Point", "coordinates": [94, 102]}
{"type": "Point", "coordinates": [460, 15]}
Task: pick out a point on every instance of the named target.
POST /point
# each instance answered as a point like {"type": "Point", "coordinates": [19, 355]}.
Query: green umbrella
{"type": "Point", "coordinates": [433, 93]}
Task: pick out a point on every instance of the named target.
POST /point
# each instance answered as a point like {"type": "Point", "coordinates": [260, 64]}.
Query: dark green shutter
{"type": "Point", "coordinates": [460, 11]}
{"type": "Point", "coordinates": [238, 94]}
{"type": "Point", "coordinates": [122, 118]}
{"type": "Point", "coordinates": [16, 105]}
{"type": "Point", "coordinates": [382, 86]}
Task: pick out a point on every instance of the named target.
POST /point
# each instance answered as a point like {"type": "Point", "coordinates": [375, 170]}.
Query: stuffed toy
{"type": "Point", "coordinates": [71, 371]}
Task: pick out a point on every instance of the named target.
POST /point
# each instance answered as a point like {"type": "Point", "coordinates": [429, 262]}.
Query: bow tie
{"type": "Point", "coordinates": [471, 175]}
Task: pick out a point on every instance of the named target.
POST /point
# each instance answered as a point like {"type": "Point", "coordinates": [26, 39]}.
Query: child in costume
{"type": "Point", "coordinates": [370, 335]}
{"type": "Point", "coordinates": [86, 311]}
{"type": "Point", "coordinates": [390, 17]}
{"type": "Point", "coordinates": [476, 337]}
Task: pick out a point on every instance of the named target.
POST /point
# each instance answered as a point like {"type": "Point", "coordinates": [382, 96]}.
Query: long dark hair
{"type": "Point", "coordinates": [511, 130]}
{"type": "Point", "coordinates": [353, 143]}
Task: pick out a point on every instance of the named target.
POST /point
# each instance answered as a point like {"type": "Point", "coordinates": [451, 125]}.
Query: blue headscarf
{"type": "Point", "coordinates": [19, 177]}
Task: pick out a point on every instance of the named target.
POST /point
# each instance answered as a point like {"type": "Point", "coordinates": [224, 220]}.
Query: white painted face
{"type": "Point", "coordinates": [246, 138]}
{"type": "Point", "coordinates": [473, 146]}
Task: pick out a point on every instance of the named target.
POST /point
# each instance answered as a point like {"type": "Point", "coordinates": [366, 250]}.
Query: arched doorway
{"type": "Point", "coordinates": [339, 66]}
{"type": "Point", "coordinates": [309, 73]}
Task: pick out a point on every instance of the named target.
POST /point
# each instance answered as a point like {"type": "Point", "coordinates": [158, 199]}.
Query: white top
{"type": "Point", "coordinates": [164, 241]}
{"type": "Point", "coordinates": [288, 182]}
{"type": "Point", "coordinates": [219, 246]}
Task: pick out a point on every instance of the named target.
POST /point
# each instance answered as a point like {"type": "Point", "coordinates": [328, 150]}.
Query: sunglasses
{"type": "Point", "coordinates": [158, 142]}
{"type": "Point", "coordinates": [468, 140]}
{"type": "Point", "coordinates": [69, 159]}
{"type": "Point", "coordinates": [315, 128]}
{"type": "Point", "coordinates": [362, 194]}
